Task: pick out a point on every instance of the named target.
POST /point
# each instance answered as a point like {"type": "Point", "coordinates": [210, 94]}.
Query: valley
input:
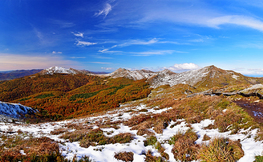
{"type": "Point", "coordinates": [209, 114]}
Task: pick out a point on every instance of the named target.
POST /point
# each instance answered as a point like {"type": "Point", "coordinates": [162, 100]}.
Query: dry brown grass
{"type": "Point", "coordinates": [124, 156]}
{"type": "Point", "coordinates": [35, 148]}
{"type": "Point", "coordinates": [151, 158]}
{"type": "Point", "coordinates": [160, 124]}
{"type": "Point", "coordinates": [135, 120]}
{"type": "Point", "coordinates": [206, 138]}
{"type": "Point", "coordinates": [224, 120]}
{"type": "Point", "coordinates": [221, 149]}
{"type": "Point", "coordinates": [59, 131]}
{"type": "Point", "coordinates": [96, 137]}
{"type": "Point", "coordinates": [185, 148]}
{"type": "Point", "coordinates": [75, 135]}
{"type": "Point", "coordinates": [142, 132]}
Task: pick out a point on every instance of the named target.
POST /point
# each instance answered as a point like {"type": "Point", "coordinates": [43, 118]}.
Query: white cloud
{"type": "Point", "coordinates": [184, 67]}
{"type": "Point", "coordinates": [83, 43]}
{"type": "Point", "coordinates": [79, 34]}
{"type": "Point", "coordinates": [105, 11]}
{"type": "Point", "coordinates": [19, 61]}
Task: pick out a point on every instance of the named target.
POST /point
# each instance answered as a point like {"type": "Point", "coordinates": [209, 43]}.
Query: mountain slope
{"type": "Point", "coordinates": [29, 85]}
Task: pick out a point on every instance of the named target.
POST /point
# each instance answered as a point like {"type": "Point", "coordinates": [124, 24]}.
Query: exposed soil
{"type": "Point", "coordinates": [254, 109]}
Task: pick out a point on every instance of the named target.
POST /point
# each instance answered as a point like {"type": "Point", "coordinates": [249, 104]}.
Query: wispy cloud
{"type": "Point", "coordinates": [62, 24]}
{"type": "Point", "coordinates": [105, 11]}
{"type": "Point", "coordinates": [183, 12]}
{"type": "Point", "coordinates": [19, 61]}
{"type": "Point", "coordinates": [149, 53]}
{"type": "Point", "coordinates": [236, 20]}
{"type": "Point", "coordinates": [78, 34]}
{"type": "Point", "coordinates": [252, 45]}
{"type": "Point", "coordinates": [102, 57]}
{"type": "Point", "coordinates": [107, 50]}
{"type": "Point", "coordinates": [100, 62]}
{"type": "Point", "coordinates": [137, 42]}
{"type": "Point", "coordinates": [77, 57]}
{"type": "Point", "coordinates": [83, 43]}
{"type": "Point", "coordinates": [129, 43]}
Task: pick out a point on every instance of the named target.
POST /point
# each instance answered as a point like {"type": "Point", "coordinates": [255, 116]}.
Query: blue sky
{"type": "Point", "coordinates": [104, 35]}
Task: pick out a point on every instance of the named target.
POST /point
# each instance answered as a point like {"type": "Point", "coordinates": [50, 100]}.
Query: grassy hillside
{"type": "Point", "coordinates": [30, 85]}
{"type": "Point", "coordinates": [67, 96]}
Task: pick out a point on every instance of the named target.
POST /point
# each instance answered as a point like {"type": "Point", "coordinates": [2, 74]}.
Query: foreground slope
{"type": "Point", "coordinates": [165, 126]}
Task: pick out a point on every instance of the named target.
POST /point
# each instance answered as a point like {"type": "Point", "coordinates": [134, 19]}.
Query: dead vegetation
{"type": "Point", "coordinates": [227, 116]}
{"type": "Point", "coordinates": [221, 149]}
{"type": "Point", "coordinates": [36, 149]}
{"type": "Point", "coordinates": [185, 148]}
{"type": "Point", "coordinates": [124, 156]}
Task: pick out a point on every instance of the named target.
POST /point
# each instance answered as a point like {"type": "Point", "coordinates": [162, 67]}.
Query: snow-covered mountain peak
{"type": "Point", "coordinates": [59, 70]}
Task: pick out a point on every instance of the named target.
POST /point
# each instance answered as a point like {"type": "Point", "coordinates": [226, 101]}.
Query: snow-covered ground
{"type": "Point", "coordinates": [105, 153]}
{"type": "Point", "coordinates": [15, 110]}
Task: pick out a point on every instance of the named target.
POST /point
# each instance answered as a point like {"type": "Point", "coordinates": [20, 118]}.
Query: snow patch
{"type": "Point", "coordinates": [15, 110]}
{"type": "Point", "coordinates": [235, 76]}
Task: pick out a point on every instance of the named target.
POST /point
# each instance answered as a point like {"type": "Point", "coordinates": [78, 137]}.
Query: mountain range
{"type": "Point", "coordinates": [127, 115]}
{"type": "Point", "coordinates": [74, 88]}
{"type": "Point", "coordinates": [206, 77]}
{"type": "Point", "coordinates": [9, 75]}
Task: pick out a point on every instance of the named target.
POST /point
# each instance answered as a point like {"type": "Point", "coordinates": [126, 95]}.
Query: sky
{"type": "Point", "coordinates": [104, 35]}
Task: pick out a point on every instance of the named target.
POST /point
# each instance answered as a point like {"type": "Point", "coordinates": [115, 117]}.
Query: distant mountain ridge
{"type": "Point", "coordinates": [17, 74]}
{"type": "Point", "coordinates": [206, 77]}
{"type": "Point", "coordinates": [62, 70]}
{"type": "Point", "coordinates": [9, 75]}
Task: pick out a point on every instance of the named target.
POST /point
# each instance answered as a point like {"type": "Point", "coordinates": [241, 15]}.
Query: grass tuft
{"type": "Point", "coordinates": [221, 149]}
